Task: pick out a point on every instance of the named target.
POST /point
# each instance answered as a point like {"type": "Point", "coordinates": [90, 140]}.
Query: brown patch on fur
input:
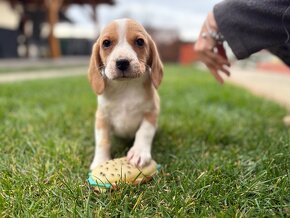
{"type": "Point", "coordinates": [148, 54]}
{"type": "Point", "coordinates": [95, 75]}
{"type": "Point", "coordinates": [109, 33]}
{"type": "Point", "coordinates": [151, 117]}
{"type": "Point", "coordinates": [99, 57]}
{"type": "Point", "coordinates": [147, 84]}
{"type": "Point", "coordinates": [136, 31]}
{"type": "Point", "coordinates": [152, 95]}
{"type": "Point", "coordinates": [155, 63]}
{"type": "Point", "coordinates": [101, 123]}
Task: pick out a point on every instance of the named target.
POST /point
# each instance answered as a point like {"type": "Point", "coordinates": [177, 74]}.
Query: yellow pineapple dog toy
{"type": "Point", "coordinates": [109, 174]}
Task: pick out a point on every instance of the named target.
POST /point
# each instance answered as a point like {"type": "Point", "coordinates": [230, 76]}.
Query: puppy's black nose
{"type": "Point", "coordinates": [122, 64]}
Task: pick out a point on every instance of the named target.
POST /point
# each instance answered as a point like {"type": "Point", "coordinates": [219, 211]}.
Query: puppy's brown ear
{"type": "Point", "coordinates": [155, 64]}
{"type": "Point", "coordinates": [95, 75]}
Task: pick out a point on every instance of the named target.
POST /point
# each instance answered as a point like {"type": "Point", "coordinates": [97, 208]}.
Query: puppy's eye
{"type": "Point", "coordinates": [139, 42]}
{"type": "Point", "coordinates": [107, 43]}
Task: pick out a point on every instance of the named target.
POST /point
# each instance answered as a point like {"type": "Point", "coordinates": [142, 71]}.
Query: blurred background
{"type": "Point", "coordinates": [57, 28]}
{"type": "Point", "coordinates": [35, 29]}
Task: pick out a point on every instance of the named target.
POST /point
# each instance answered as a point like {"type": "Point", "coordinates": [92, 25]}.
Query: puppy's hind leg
{"type": "Point", "coordinates": [102, 140]}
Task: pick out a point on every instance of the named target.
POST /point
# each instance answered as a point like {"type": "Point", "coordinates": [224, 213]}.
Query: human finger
{"type": "Point", "coordinates": [215, 73]}
{"type": "Point", "coordinates": [218, 58]}
{"type": "Point", "coordinates": [225, 71]}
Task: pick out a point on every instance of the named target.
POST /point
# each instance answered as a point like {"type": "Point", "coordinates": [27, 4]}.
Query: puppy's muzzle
{"type": "Point", "coordinates": [122, 64]}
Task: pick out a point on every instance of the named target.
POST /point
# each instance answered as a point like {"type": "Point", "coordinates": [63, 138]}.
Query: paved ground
{"type": "Point", "coordinates": [44, 74]}
{"type": "Point", "coordinates": [271, 85]}
{"type": "Point", "coordinates": [20, 64]}
{"type": "Point", "coordinates": [13, 70]}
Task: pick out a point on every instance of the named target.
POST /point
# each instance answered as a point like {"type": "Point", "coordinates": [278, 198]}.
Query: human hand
{"type": "Point", "coordinates": [210, 51]}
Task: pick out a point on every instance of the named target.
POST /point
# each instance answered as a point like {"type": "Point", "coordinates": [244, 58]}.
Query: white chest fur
{"type": "Point", "coordinates": [124, 104]}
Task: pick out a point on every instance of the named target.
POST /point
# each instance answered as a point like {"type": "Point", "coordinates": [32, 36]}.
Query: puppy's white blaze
{"type": "Point", "coordinates": [122, 29]}
{"type": "Point", "coordinates": [123, 48]}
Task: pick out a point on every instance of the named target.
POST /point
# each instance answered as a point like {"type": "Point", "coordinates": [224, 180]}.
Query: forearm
{"type": "Point", "coordinates": [251, 25]}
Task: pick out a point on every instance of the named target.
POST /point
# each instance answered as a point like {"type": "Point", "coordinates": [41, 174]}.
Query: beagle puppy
{"type": "Point", "coordinates": [125, 71]}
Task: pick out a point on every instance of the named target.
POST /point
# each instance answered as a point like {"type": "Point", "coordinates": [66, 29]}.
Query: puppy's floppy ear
{"type": "Point", "coordinates": [95, 75]}
{"type": "Point", "coordinates": [155, 64]}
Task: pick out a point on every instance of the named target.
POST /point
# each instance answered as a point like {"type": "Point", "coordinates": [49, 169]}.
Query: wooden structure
{"type": "Point", "coordinates": [52, 8]}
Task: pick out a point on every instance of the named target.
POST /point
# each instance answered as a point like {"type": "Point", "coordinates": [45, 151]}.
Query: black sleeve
{"type": "Point", "coordinates": [283, 52]}
{"type": "Point", "coordinates": [251, 25]}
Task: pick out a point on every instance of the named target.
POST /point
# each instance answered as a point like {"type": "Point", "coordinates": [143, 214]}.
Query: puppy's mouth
{"type": "Point", "coordinates": [123, 75]}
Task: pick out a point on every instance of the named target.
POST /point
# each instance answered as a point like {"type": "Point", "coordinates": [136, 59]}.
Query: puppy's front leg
{"type": "Point", "coordinates": [140, 153]}
{"type": "Point", "coordinates": [102, 140]}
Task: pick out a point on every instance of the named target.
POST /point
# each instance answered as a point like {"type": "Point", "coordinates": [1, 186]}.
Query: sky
{"type": "Point", "coordinates": [186, 16]}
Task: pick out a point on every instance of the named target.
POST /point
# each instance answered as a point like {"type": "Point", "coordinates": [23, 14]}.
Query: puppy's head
{"type": "Point", "coordinates": [124, 50]}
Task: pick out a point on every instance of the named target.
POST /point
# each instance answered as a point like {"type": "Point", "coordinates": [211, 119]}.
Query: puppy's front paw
{"type": "Point", "coordinates": [138, 157]}
{"type": "Point", "coordinates": [98, 160]}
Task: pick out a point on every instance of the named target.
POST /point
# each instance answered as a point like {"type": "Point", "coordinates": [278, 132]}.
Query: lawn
{"type": "Point", "coordinates": [223, 152]}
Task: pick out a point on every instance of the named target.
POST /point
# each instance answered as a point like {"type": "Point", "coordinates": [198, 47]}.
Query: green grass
{"type": "Point", "coordinates": [224, 152]}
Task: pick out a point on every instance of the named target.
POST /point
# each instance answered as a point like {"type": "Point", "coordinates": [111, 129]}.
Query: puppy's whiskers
{"type": "Point", "coordinates": [101, 67]}
{"type": "Point", "coordinates": [144, 62]}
